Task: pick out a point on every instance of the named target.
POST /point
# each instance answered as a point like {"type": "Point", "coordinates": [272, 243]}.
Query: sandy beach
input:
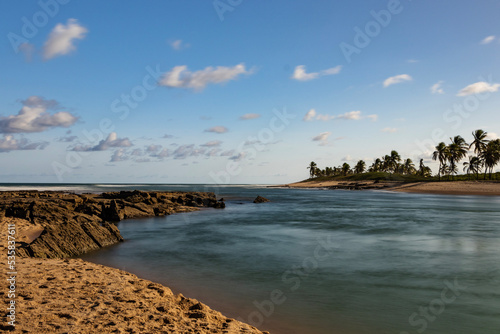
{"type": "Point", "coordinates": [443, 187]}
{"type": "Point", "coordinates": [61, 295]}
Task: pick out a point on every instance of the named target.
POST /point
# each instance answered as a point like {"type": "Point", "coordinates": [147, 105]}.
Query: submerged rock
{"type": "Point", "coordinates": [261, 199]}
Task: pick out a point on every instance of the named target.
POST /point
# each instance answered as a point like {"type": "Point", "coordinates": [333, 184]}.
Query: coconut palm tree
{"type": "Point", "coordinates": [456, 151]}
{"type": "Point", "coordinates": [440, 154]}
{"type": "Point", "coordinates": [346, 168]}
{"type": "Point", "coordinates": [376, 166]}
{"type": "Point", "coordinates": [479, 141]}
{"type": "Point", "coordinates": [312, 168]}
{"type": "Point", "coordinates": [424, 170]}
{"type": "Point", "coordinates": [408, 167]}
{"type": "Point", "coordinates": [394, 161]}
{"type": "Point", "coordinates": [491, 156]}
{"type": "Point", "coordinates": [360, 167]}
{"type": "Point", "coordinates": [472, 166]}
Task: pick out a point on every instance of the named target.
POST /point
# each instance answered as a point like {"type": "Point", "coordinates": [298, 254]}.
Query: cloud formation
{"type": "Point", "coordinates": [181, 77]}
{"type": "Point", "coordinates": [9, 143]}
{"type": "Point", "coordinates": [322, 138]}
{"type": "Point", "coordinates": [179, 45]}
{"type": "Point", "coordinates": [488, 40]}
{"type": "Point", "coordinates": [300, 73]}
{"type": "Point", "coordinates": [479, 87]}
{"type": "Point", "coordinates": [397, 79]}
{"type": "Point", "coordinates": [355, 115]}
{"type": "Point", "coordinates": [436, 88]}
{"type": "Point", "coordinates": [213, 143]}
{"type": "Point", "coordinates": [390, 130]}
{"type": "Point", "coordinates": [33, 117]}
{"type": "Point", "coordinates": [111, 141]}
{"type": "Point", "coordinates": [62, 37]}
{"type": "Point", "coordinates": [249, 116]}
{"type": "Point", "coordinates": [217, 129]}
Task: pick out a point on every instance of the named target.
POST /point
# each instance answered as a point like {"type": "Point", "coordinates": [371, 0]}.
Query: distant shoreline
{"type": "Point", "coordinates": [476, 188]}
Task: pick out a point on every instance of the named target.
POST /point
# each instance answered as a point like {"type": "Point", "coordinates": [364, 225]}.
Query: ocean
{"type": "Point", "coordinates": [323, 261]}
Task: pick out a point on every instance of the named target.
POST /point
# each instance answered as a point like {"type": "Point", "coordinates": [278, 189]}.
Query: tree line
{"type": "Point", "coordinates": [486, 155]}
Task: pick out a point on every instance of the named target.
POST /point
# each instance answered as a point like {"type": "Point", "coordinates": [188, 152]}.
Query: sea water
{"type": "Point", "coordinates": [324, 261]}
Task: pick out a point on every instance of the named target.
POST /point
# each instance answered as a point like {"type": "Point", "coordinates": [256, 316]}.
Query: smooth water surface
{"type": "Point", "coordinates": [322, 261]}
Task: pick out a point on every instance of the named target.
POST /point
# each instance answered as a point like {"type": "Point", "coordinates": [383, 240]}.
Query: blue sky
{"type": "Point", "coordinates": [237, 91]}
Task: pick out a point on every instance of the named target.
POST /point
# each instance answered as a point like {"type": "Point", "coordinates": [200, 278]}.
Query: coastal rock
{"type": "Point", "coordinates": [260, 199]}
{"type": "Point", "coordinates": [71, 224]}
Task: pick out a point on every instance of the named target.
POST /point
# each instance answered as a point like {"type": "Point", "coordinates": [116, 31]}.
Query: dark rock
{"type": "Point", "coordinates": [261, 199]}
{"type": "Point", "coordinates": [75, 224]}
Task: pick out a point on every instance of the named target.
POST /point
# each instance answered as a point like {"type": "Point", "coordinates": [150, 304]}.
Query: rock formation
{"type": "Point", "coordinates": [260, 199]}
{"type": "Point", "coordinates": [66, 224]}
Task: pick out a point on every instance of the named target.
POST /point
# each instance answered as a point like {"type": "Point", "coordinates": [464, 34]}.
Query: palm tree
{"type": "Point", "coordinates": [424, 170]}
{"type": "Point", "coordinates": [376, 166]}
{"type": "Point", "coordinates": [456, 151]}
{"type": "Point", "coordinates": [472, 166]}
{"type": "Point", "coordinates": [408, 167]}
{"type": "Point", "coordinates": [440, 154]}
{"type": "Point", "coordinates": [479, 141]}
{"type": "Point", "coordinates": [394, 161]}
{"type": "Point", "coordinates": [360, 167]}
{"type": "Point", "coordinates": [491, 156]}
{"type": "Point", "coordinates": [346, 168]}
{"type": "Point", "coordinates": [312, 168]}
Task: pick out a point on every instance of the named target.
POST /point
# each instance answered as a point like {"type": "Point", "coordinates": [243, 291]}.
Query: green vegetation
{"type": "Point", "coordinates": [393, 167]}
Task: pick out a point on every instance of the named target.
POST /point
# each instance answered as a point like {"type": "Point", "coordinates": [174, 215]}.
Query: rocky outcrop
{"type": "Point", "coordinates": [260, 199]}
{"type": "Point", "coordinates": [73, 224]}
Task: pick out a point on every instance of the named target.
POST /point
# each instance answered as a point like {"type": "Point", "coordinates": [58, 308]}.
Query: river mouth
{"type": "Point", "coordinates": [328, 261]}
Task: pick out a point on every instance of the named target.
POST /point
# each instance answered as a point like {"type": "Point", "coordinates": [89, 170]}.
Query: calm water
{"type": "Point", "coordinates": [315, 261]}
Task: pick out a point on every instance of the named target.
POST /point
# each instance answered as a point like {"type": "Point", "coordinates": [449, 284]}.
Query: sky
{"type": "Point", "coordinates": [238, 91]}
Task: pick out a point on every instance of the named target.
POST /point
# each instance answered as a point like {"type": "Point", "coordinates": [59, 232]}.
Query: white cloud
{"type": "Point", "coordinates": [181, 77]}
{"type": "Point", "coordinates": [28, 50]}
{"type": "Point", "coordinates": [167, 136]}
{"type": "Point", "coordinates": [492, 136]}
{"type": "Point", "coordinates": [351, 115]}
{"type": "Point", "coordinates": [249, 116]}
{"type": "Point", "coordinates": [217, 129]}
{"type": "Point", "coordinates": [62, 37]}
{"type": "Point", "coordinates": [436, 88]}
{"type": "Point", "coordinates": [390, 130]}
{"type": "Point", "coordinates": [322, 138]}
{"type": "Point", "coordinates": [111, 141]}
{"type": "Point", "coordinates": [347, 158]}
{"type": "Point", "coordinates": [33, 117]}
{"type": "Point", "coordinates": [118, 155]}
{"type": "Point", "coordinates": [413, 61]}
{"type": "Point", "coordinates": [179, 45]}
{"type": "Point", "coordinates": [478, 87]}
{"type": "Point", "coordinates": [300, 73]}
{"type": "Point", "coordinates": [9, 143]}
{"type": "Point", "coordinates": [309, 115]}
{"type": "Point", "coordinates": [488, 39]}
{"type": "Point", "coordinates": [213, 143]}
{"type": "Point", "coordinates": [397, 79]}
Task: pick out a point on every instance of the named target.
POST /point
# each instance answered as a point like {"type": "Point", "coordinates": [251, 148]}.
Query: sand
{"type": "Point", "coordinates": [74, 296]}
{"type": "Point", "coordinates": [444, 187]}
